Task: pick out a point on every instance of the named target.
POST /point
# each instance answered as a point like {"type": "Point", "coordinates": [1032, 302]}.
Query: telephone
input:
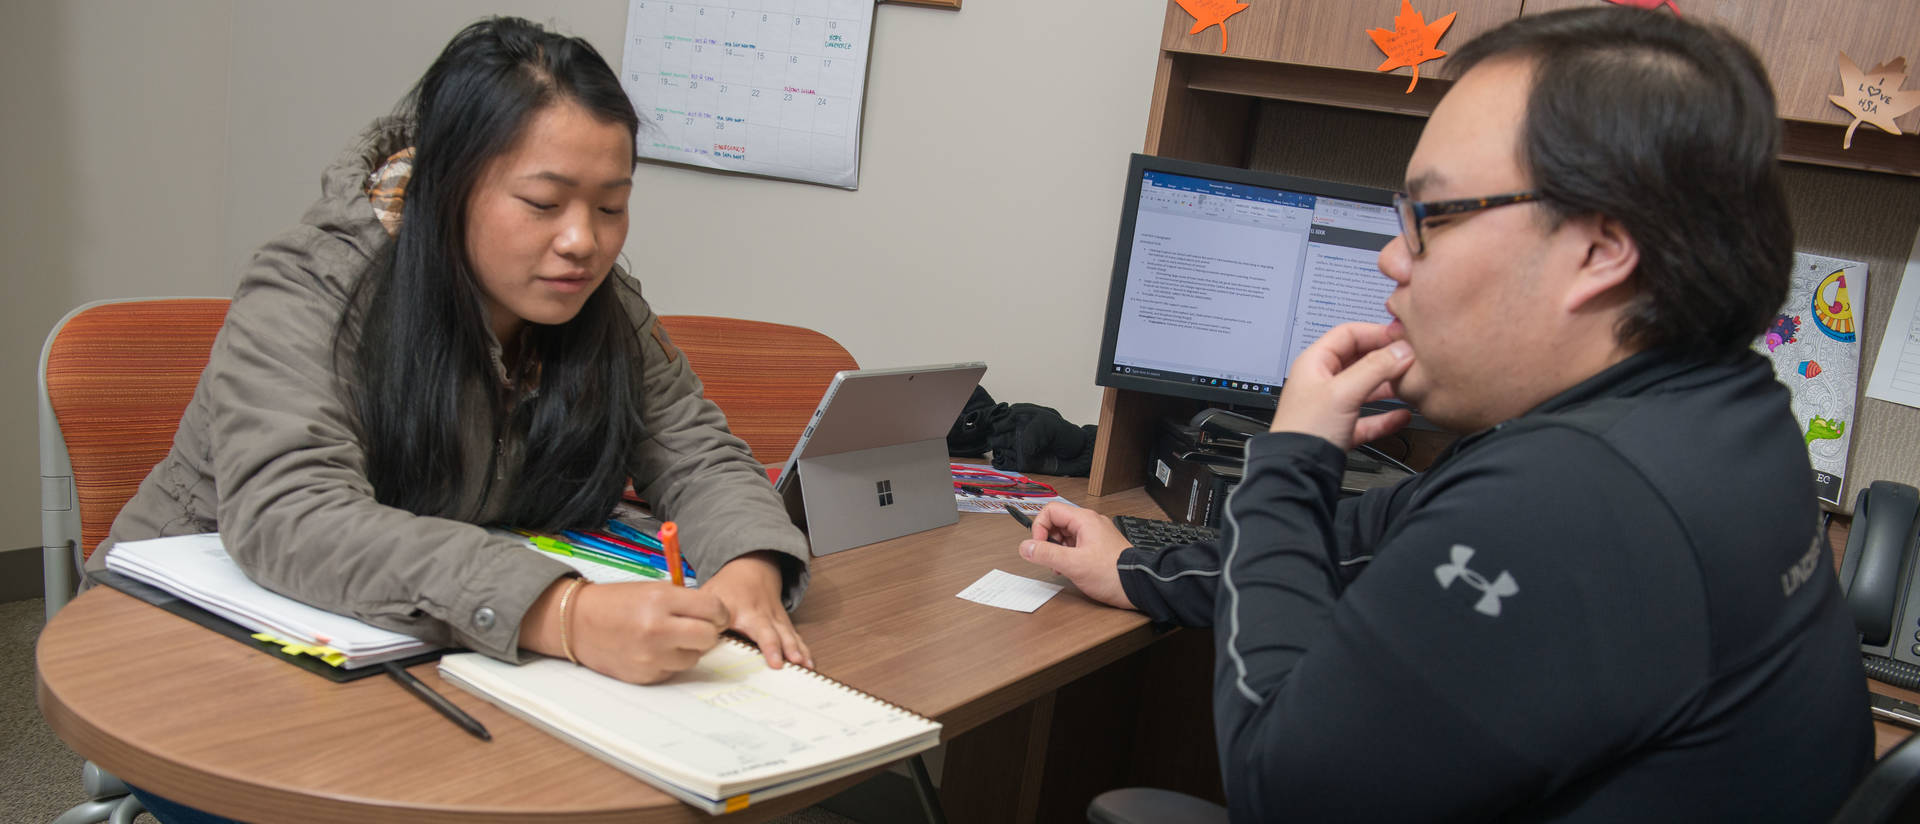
{"type": "Point", "coordinates": [1877, 574]}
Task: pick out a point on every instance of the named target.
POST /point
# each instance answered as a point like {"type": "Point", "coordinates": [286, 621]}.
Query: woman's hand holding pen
{"type": "Point", "coordinates": [750, 587]}
{"type": "Point", "coordinates": [640, 632]}
{"type": "Point", "coordinates": [1082, 545]}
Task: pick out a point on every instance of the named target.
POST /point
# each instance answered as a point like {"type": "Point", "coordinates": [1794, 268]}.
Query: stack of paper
{"type": "Point", "coordinates": [198, 569]}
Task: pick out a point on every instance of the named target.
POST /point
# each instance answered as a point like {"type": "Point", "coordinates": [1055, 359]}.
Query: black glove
{"type": "Point", "coordinates": [1027, 437]}
{"type": "Point", "coordinates": [968, 437]}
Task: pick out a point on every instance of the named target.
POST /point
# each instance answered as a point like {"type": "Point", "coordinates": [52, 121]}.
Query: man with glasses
{"type": "Point", "coordinates": [1593, 606]}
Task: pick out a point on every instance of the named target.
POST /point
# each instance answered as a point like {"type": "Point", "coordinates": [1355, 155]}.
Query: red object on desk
{"type": "Point", "coordinates": [670, 543]}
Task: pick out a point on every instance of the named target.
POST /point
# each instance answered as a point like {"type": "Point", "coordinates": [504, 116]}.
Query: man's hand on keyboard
{"type": "Point", "coordinates": [1082, 545]}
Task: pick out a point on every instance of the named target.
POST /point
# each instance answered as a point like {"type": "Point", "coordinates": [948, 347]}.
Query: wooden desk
{"type": "Point", "coordinates": [167, 705]}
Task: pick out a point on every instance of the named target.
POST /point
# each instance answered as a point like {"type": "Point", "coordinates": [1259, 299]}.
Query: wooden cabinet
{"type": "Point", "coordinates": [1317, 51]}
{"type": "Point", "coordinates": [1800, 42]}
{"type": "Point", "coordinates": [1330, 34]}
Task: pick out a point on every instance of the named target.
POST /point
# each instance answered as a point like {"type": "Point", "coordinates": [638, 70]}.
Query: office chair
{"type": "Point", "coordinates": [115, 377]}
{"type": "Point", "coordinates": [766, 377]}
{"type": "Point", "coordinates": [1888, 792]}
{"type": "Point", "coordinates": [1146, 805]}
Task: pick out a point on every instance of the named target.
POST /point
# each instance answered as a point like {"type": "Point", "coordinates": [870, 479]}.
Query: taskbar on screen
{"type": "Point", "coordinates": [1208, 381]}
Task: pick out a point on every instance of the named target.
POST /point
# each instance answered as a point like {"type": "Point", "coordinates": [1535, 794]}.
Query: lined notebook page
{"type": "Point", "coordinates": [730, 725]}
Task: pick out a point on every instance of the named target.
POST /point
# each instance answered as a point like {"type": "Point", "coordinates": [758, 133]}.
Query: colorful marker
{"type": "Point", "coordinates": [650, 555]}
{"type": "Point", "coordinates": [555, 546]}
{"type": "Point", "coordinates": [628, 553]}
{"type": "Point", "coordinates": [628, 532]}
{"type": "Point", "coordinates": [670, 544]}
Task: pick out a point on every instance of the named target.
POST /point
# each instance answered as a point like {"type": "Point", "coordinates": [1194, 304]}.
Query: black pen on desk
{"type": "Point", "coordinates": [437, 701]}
{"type": "Point", "coordinates": [1024, 519]}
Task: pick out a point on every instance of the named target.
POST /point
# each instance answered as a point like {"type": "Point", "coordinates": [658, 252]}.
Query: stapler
{"type": "Point", "coordinates": [1226, 424]}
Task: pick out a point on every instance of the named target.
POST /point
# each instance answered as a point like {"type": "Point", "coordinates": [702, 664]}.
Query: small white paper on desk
{"type": "Point", "coordinates": [998, 505]}
{"type": "Point", "coordinates": [1896, 372]}
{"type": "Point", "coordinates": [1008, 591]}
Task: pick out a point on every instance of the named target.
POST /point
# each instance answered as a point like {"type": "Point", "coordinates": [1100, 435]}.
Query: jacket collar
{"type": "Point", "coordinates": [1645, 372]}
{"type": "Point", "coordinates": [1636, 375]}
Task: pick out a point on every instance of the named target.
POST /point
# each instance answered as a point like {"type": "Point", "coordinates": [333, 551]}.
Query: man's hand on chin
{"type": "Point", "coordinates": [1352, 364]}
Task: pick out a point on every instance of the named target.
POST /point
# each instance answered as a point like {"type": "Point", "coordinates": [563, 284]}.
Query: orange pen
{"type": "Point", "coordinates": [670, 546]}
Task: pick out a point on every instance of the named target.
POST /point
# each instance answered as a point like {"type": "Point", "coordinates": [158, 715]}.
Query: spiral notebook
{"type": "Point", "coordinates": [728, 733]}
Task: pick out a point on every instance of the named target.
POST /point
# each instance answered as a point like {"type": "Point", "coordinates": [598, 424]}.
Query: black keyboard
{"type": "Point", "coordinates": [1149, 533]}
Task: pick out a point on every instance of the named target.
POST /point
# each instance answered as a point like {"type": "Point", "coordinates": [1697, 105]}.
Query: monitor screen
{"type": "Point", "coordinates": [1222, 275]}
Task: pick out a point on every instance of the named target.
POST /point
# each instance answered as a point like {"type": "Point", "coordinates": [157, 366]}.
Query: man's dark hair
{"type": "Point", "coordinates": [1667, 126]}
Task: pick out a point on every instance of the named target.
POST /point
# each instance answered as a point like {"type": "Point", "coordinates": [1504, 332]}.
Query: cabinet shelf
{"type": "Point", "coordinates": [1817, 143]}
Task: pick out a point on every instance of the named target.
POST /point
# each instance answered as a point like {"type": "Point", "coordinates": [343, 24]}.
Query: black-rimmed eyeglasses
{"type": "Point", "coordinates": [1414, 214]}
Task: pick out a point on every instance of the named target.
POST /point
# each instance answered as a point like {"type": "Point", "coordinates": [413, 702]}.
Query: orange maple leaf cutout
{"type": "Point", "coordinates": [1873, 96]}
{"type": "Point", "coordinates": [1411, 42]}
{"type": "Point", "coordinates": [1648, 4]}
{"type": "Point", "coordinates": [1212, 13]}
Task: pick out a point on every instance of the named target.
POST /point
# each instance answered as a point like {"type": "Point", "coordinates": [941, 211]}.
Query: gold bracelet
{"type": "Point", "coordinates": [566, 607]}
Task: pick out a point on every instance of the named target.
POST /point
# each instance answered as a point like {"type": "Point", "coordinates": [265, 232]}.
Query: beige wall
{"type": "Point", "coordinates": [151, 146]}
{"type": "Point", "coordinates": [115, 167]}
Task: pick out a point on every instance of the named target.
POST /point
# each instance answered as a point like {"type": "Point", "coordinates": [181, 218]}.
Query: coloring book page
{"type": "Point", "coordinates": [1814, 344]}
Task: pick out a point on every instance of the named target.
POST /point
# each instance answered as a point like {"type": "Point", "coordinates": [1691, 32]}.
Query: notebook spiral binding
{"type": "Point", "coordinates": [816, 675]}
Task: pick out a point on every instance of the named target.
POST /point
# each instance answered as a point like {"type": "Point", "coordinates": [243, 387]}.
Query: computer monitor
{"type": "Point", "coordinates": [1222, 275]}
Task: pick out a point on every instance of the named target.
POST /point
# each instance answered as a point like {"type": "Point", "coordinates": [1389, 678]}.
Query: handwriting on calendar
{"type": "Point", "coordinates": [760, 86]}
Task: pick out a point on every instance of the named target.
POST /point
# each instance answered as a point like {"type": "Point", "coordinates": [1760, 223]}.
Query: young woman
{"type": "Point", "coordinates": [445, 344]}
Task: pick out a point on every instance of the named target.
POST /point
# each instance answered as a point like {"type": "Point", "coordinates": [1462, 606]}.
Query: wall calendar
{"type": "Point", "coordinates": [765, 87]}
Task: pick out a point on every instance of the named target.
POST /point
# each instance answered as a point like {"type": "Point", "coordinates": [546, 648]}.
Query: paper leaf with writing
{"type": "Point", "coordinates": [1412, 40]}
{"type": "Point", "coordinates": [1647, 4]}
{"type": "Point", "coordinates": [1874, 95]}
{"type": "Point", "coordinates": [1212, 13]}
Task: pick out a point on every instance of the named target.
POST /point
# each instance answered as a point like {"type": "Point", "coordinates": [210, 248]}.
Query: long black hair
{"type": "Point", "coordinates": [416, 336]}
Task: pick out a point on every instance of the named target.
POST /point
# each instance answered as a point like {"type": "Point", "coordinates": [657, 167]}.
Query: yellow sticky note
{"type": "Point", "coordinates": [332, 656]}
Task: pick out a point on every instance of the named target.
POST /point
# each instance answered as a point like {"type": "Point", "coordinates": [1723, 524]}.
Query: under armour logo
{"type": "Point", "coordinates": [1489, 603]}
